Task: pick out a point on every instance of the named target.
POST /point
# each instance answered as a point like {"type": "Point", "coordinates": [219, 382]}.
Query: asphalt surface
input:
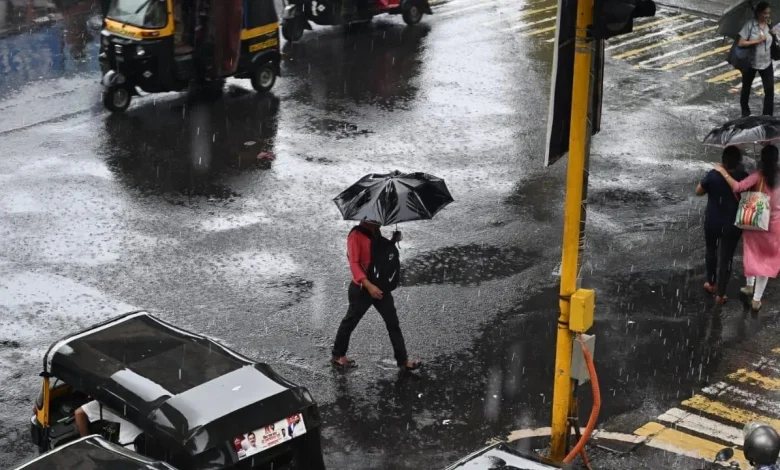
{"type": "Point", "coordinates": [168, 208]}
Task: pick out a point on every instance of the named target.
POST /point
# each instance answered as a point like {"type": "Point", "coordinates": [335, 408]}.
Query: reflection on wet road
{"type": "Point", "coordinates": [218, 215]}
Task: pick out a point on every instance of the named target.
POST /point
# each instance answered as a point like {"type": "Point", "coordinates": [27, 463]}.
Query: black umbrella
{"type": "Point", "coordinates": [745, 131]}
{"type": "Point", "coordinates": [393, 197]}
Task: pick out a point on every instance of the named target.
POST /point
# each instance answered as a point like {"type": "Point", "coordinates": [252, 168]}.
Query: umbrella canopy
{"type": "Point", "coordinates": [395, 197]}
{"type": "Point", "coordinates": [734, 18]}
{"type": "Point", "coordinates": [745, 131]}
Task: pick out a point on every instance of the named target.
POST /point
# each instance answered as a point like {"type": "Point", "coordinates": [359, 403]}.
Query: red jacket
{"type": "Point", "coordinates": [359, 254]}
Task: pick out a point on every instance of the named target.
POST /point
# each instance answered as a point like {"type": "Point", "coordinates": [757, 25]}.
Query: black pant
{"type": "Point", "coordinates": [721, 242]}
{"type": "Point", "coordinates": [768, 79]}
{"type": "Point", "coordinates": [359, 303]}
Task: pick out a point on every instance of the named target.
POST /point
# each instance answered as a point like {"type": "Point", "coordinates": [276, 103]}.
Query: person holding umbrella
{"type": "Point", "coordinates": [381, 200]}
{"type": "Point", "coordinates": [757, 34]}
{"type": "Point", "coordinates": [761, 249]}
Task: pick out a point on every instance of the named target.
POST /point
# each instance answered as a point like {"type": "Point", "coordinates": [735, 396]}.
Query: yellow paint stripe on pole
{"type": "Point", "coordinates": [755, 378]}
{"type": "Point", "coordinates": [729, 413]}
{"type": "Point", "coordinates": [691, 60]}
{"type": "Point", "coordinates": [671, 440]}
{"type": "Point", "coordinates": [538, 32]}
{"type": "Point", "coordinates": [636, 52]}
{"type": "Point", "coordinates": [725, 77]}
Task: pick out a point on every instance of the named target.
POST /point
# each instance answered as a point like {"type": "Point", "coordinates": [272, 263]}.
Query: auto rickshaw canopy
{"type": "Point", "coordinates": [183, 389]}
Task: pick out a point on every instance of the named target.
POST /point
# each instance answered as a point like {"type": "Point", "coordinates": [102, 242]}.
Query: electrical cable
{"type": "Point", "coordinates": [579, 448]}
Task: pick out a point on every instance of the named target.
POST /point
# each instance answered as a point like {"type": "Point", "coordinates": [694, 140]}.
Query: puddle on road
{"type": "Point", "coordinates": [465, 265]}
{"type": "Point", "coordinates": [335, 128]}
{"type": "Point", "coordinates": [637, 198]}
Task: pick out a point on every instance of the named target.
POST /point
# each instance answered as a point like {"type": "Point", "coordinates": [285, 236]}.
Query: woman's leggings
{"type": "Point", "coordinates": [760, 284]}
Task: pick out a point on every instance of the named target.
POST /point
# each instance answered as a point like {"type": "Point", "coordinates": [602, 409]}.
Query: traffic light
{"type": "Point", "coordinates": [615, 17]}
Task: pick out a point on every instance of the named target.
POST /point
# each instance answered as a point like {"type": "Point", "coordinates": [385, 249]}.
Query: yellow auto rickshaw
{"type": "Point", "coordinates": [170, 45]}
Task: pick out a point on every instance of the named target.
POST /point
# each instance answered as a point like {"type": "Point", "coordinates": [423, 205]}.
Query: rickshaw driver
{"type": "Point", "coordinates": [95, 411]}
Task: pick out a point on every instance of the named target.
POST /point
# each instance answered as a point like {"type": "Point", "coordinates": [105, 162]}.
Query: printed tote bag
{"type": "Point", "coordinates": [753, 211]}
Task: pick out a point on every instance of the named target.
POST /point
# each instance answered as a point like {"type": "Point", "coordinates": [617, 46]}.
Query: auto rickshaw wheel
{"type": "Point", "coordinates": [292, 29]}
{"type": "Point", "coordinates": [413, 14]}
{"type": "Point", "coordinates": [116, 98]}
{"type": "Point", "coordinates": [264, 77]}
{"type": "Point", "coordinates": [309, 451]}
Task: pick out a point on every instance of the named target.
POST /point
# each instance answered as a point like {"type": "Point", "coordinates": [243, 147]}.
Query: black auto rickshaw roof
{"type": "Point", "coordinates": [171, 383]}
{"type": "Point", "coordinates": [94, 453]}
{"type": "Point", "coordinates": [504, 455]}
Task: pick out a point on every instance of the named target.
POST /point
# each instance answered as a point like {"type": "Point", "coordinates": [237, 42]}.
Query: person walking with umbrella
{"type": "Point", "coordinates": [761, 249]}
{"type": "Point", "coordinates": [757, 34]}
{"type": "Point", "coordinates": [381, 200]}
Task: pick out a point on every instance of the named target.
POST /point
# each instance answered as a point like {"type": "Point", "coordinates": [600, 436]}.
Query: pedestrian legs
{"type": "Point", "coordinates": [711, 240]}
{"type": "Point", "coordinates": [758, 291]}
{"type": "Point", "coordinates": [728, 245]}
{"type": "Point", "coordinates": [359, 303]}
{"type": "Point", "coordinates": [747, 85]}
{"type": "Point", "coordinates": [768, 80]}
{"type": "Point", "coordinates": [386, 308]}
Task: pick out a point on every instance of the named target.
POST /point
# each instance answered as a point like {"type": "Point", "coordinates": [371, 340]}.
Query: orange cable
{"type": "Point", "coordinates": [579, 448]}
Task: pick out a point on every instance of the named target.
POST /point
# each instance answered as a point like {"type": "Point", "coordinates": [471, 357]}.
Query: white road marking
{"type": "Point", "coordinates": [766, 405]}
{"type": "Point", "coordinates": [678, 418]}
{"type": "Point", "coordinates": [679, 51]}
{"type": "Point", "coordinates": [708, 69]}
{"type": "Point", "coordinates": [651, 35]}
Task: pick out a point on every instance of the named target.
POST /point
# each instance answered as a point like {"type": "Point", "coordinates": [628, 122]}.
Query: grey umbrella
{"type": "Point", "coordinates": [734, 18]}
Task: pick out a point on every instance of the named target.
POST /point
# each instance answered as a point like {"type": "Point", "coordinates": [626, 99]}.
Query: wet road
{"type": "Point", "coordinates": [169, 208]}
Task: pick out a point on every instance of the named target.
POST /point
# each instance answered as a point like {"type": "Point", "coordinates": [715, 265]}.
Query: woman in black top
{"type": "Point", "coordinates": [720, 233]}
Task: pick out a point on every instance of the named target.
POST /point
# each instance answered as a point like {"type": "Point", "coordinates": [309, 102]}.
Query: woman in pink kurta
{"type": "Point", "coordinates": [761, 250]}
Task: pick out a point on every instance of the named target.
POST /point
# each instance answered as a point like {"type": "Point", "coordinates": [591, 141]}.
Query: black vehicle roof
{"type": "Point", "coordinates": [95, 453]}
{"type": "Point", "coordinates": [170, 382]}
{"type": "Point", "coordinates": [503, 453]}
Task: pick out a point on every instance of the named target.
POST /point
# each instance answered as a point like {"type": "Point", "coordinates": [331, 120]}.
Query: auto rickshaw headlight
{"type": "Point", "coordinates": [140, 51]}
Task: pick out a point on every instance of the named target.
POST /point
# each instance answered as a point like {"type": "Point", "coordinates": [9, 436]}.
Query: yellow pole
{"type": "Point", "coordinates": [578, 143]}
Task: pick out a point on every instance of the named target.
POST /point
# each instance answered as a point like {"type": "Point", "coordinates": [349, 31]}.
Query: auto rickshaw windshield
{"type": "Point", "coordinates": [151, 14]}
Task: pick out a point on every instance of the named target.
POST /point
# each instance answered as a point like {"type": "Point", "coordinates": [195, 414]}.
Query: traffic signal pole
{"type": "Point", "coordinates": [579, 142]}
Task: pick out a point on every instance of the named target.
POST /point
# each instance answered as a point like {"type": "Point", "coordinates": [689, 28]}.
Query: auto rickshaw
{"type": "Point", "coordinates": [298, 14]}
{"type": "Point", "coordinates": [95, 453]}
{"type": "Point", "coordinates": [170, 45]}
{"type": "Point", "coordinates": [198, 404]}
{"type": "Point", "coordinates": [503, 455]}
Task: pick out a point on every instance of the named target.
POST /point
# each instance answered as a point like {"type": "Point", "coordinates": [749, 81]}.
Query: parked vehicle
{"type": "Point", "coordinates": [198, 404]}
{"type": "Point", "coordinates": [170, 45]}
{"type": "Point", "coordinates": [95, 453]}
{"type": "Point", "coordinates": [502, 455]}
{"type": "Point", "coordinates": [299, 13]}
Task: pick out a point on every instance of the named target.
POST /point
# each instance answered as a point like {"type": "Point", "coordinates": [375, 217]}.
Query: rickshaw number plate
{"type": "Point", "coordinates": [249, 444]}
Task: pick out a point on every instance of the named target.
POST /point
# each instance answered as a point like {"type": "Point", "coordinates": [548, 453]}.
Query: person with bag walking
{"type": "Point", "coordinates": [375, 267]}
{"type": "Point", "coordinates": [758, 38]}
{"type": "Point", "coordinates": [721, 236]}
{"type": "Point", "coordinates": [761, 235]}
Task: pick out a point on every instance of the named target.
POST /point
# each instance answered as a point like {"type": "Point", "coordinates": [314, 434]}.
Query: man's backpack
{"type": "Point", "coordinates": [385, 268]}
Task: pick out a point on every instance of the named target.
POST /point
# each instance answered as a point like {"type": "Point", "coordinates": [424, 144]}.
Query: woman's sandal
{"type": "Point", "coordinates": [345, 364]}
{"type": "Point", "coordinates": [411, 365]}
{"type": "Point", "coordinates": [709, 288]}
{"type": "Point", "coordinates": [721, 299]}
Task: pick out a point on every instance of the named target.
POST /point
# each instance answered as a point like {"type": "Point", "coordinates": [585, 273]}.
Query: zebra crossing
{"type": "Point", "coordinates": [714, 418]}
{"type": "Point", "coordinates": [675, 42]}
